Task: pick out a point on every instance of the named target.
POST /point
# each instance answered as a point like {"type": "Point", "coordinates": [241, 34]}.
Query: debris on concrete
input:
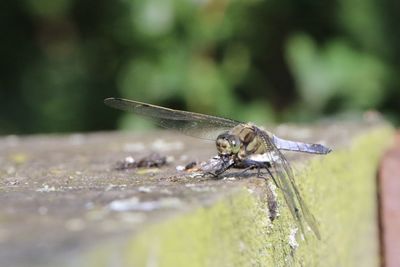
{"type": "Point", "coordinates": [153, 160]}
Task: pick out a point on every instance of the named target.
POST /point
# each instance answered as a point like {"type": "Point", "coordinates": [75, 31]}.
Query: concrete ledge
{"type": "Point", "coordinates": [57, 193]}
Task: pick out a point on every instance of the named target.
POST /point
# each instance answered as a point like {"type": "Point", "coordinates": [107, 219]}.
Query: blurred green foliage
{"type": "Point", "coordinates": [257, 60]}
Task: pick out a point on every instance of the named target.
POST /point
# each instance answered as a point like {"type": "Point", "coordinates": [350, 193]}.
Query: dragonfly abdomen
{"type": "Point", "coordinates": [299, 146]}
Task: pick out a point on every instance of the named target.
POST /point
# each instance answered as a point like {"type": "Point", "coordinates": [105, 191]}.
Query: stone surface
{"type": "Point", "coordinates": [63, 203]}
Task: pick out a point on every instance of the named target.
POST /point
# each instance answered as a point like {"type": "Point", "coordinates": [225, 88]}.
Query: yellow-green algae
{"type": "Point", "coordinates": [340, 190]}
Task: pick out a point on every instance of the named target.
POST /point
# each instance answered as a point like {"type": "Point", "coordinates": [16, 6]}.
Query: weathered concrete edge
{"type": "Point", "coordinates": [342, 193]}
{"type": "Point", "coordinates": [339, 189]}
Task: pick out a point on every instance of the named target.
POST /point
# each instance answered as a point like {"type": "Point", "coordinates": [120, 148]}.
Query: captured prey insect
{"type": "Point", "coordinates": [240, 145]}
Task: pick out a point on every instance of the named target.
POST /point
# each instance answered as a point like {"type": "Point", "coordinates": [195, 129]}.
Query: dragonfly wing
{"type": "Point", "coordinates": [285, 181]}
{"type": "Point", "coordinates": [190, 123]}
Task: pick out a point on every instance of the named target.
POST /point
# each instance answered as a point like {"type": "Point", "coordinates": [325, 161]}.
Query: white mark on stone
{"type": "Point", "coordinates": [292, 239]}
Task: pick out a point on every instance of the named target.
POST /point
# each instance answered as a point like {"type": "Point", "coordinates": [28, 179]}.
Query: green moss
{"type": "Point", "coordinates": [340, 190]}
{"type": "Point", "coordinates": [230, 233]}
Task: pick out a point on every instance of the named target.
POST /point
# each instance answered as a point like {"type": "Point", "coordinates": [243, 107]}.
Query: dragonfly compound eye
{"type": "Point", "coordinates": [234, 143]}
{"type": "Point", "coordinates": [227, 144]}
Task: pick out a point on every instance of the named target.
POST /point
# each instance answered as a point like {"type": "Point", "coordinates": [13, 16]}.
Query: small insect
{"type": "Point", "coordinates": [239, 145]}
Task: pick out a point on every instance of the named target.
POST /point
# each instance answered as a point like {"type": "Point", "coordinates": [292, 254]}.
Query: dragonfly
{"type": "Point", "coordinates": [240, 145]}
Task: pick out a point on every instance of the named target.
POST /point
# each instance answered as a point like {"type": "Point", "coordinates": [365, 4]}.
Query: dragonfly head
{"type": "Point", "coordinates": [227, 144]}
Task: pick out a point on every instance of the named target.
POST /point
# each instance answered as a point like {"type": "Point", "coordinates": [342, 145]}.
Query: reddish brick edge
{"type": "Point", "coordinates": [389, 205]}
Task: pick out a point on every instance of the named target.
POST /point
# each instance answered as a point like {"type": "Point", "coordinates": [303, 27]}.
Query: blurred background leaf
{"type": "Point", "coordinates": [266, 61]}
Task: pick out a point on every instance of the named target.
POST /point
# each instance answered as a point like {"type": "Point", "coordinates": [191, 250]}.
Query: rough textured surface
{"type": "Point", "coordinates": [63, 203]}
{"type": "Point", "coordinates": [389, 192]}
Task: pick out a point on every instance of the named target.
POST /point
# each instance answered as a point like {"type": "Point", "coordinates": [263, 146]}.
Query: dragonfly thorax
{"type": "Point", "coordinates": [227, 144]}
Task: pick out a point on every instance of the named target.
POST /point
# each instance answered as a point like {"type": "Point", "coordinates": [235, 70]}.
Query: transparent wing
{"type": "Point", "coordinates": [190, 123]}
{"type": "Point", "coordinates": [284, 178]}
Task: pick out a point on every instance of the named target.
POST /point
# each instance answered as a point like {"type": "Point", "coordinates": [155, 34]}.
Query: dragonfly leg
{"type": "Point", "coordinates": [249, 164]}
{"type": "Point", "coordinates": [246, 169]}
{"type": "Point", "coordinates": [213, 174]}
{"type": "Point", "coordinates": [272, 177]}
